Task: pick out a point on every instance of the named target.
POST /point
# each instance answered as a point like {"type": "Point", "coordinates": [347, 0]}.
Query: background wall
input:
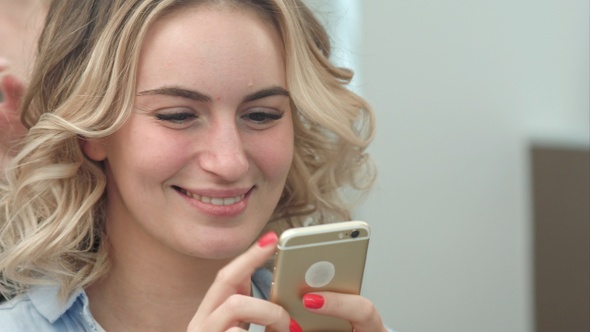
{"type": "Point", "coordinates": [462, 90]}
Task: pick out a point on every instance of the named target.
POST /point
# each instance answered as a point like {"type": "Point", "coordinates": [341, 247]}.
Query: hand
{"type": "Point", "coordinates": [359, 311]}
{"type": "Point", "coordinates": [11, 127]}
{"type": "Point", "coordinates": [227, 305]}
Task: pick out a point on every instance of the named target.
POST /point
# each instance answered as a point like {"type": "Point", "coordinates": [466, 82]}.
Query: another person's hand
{"type": "Point", "coordinates": [11, 127]}
{"type": "Point", "coordinates": [228, 305]}
{"type": "Point", "coordinates": [359, 311]}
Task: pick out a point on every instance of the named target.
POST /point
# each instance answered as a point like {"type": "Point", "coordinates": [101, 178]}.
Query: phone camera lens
{"type": "Point", "coordinates": [354, 234]}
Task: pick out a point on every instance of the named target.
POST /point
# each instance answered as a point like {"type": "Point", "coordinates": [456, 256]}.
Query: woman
{"type": "Point", "coordinates": [163, 137]}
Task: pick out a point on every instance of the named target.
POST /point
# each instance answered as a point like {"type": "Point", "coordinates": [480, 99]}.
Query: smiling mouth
{"type": "Point", "coordinates": [218, 201]}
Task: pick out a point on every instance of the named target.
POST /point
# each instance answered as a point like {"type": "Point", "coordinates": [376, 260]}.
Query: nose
{"type": "Point", "coordinates": [223, 154]}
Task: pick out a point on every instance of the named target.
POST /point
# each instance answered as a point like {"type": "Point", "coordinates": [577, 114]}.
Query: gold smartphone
{"type": "Point", "coordinates": [328, 257]}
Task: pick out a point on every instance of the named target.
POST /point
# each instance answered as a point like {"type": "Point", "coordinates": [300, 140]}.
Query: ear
{"type": "Point", "coordinates": [94, 149]}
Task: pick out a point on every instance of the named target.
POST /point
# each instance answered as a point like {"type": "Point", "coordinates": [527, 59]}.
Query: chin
{"type": "Point", "coordinates": [222, 249]}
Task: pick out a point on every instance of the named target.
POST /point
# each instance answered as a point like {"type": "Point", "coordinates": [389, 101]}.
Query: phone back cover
{"type": "Point", "coordinates": [348, 259]}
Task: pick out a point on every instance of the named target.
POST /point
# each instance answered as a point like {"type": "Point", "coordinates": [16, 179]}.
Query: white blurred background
{"type": "Point", "coordinates": [462, 90]}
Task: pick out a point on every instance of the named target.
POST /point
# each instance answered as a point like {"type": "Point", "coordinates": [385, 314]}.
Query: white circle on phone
{"type": "Point", "coordinates": [320, 274]}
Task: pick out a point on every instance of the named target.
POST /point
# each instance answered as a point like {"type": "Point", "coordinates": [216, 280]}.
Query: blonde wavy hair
{"type": "Point", "coordinates": [83, 87]}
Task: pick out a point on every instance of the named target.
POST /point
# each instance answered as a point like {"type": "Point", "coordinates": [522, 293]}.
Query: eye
{"type": "Point", "coordinates": [176, 118]}
{"type": "Point", "coordinates": [262, 117]}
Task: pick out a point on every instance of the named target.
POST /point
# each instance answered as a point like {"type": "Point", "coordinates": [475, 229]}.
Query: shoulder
{"type": "Point", "coordinates": [41, 310]}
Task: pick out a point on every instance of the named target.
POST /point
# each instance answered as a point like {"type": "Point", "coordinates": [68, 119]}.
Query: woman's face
{"type": "Point", "coordinates": [200, 165]}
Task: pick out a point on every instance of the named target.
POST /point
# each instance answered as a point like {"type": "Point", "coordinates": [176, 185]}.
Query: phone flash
{"type": "Point", "coordinates": [341, 235]}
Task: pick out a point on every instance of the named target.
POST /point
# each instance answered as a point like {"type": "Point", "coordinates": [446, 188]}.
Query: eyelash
{"type": "Point", "coordinates": [179, 117]}
{"type": "Point", "coordinates": [268, 117]}
{"type": "Point", "coordinates": [256, 117]}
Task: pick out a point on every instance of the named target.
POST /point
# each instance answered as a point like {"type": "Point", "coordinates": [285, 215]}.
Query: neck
{"type": "Point", "coordinates": [150, 288]}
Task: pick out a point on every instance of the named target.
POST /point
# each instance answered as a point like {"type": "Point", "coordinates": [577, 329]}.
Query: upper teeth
{"type": "Point", "coordinates": [214, 200]}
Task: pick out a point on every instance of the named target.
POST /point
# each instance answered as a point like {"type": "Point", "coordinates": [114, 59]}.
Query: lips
{"type": "Point", "coordinates": [217, 201]}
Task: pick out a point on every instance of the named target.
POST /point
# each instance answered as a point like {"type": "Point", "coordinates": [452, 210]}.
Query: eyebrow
{"type": "Point", "coordinates": [175, 91]}
{"type": "Point", "coordinates": [274, 91]}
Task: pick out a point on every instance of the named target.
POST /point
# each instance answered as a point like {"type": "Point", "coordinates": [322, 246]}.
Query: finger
{"type": "Point", "coordinates": [4, 64]}
{"type": "Point", "coordinates": [232, 278]}
{"type": "Point", "coordinates": [236, 329]}
{"type": "Point", "coordinates": [12, 90]}
{"type": "Point", "coordinates": [359, 311]}
{"type": "Point", "coordinates": [11, 127]}
{"type": "Point", "coordinates": [240, 308]}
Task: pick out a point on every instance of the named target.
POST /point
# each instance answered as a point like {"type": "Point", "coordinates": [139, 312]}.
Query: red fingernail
{"type": "Point", "coordinates": [294, 326]}
{"type": "Point", "coordinates": [313, 301]}
{"type": "Point", "coordinates": [267, 239]}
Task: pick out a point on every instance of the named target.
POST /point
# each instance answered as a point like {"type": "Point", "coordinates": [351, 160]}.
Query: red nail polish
{"type": "Point", "coordinates": [294, 326]}
{"type": "Point", "coordinates": [313, 301]}
{"type": "Point", "coordinates": [267, 239]}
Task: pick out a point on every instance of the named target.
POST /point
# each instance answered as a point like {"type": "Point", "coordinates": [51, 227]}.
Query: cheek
{"type": "Point", "coordinates": [274, 155]}
{"type": "Point", "coordinates": [146, 153]}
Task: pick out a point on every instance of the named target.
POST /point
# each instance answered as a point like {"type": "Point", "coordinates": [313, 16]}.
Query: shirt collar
{"type": "Point", "coordinates": [47, 302]}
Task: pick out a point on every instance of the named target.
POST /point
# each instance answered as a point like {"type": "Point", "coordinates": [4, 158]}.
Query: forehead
{"type": "Point", "coordinates": [206, 43]}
